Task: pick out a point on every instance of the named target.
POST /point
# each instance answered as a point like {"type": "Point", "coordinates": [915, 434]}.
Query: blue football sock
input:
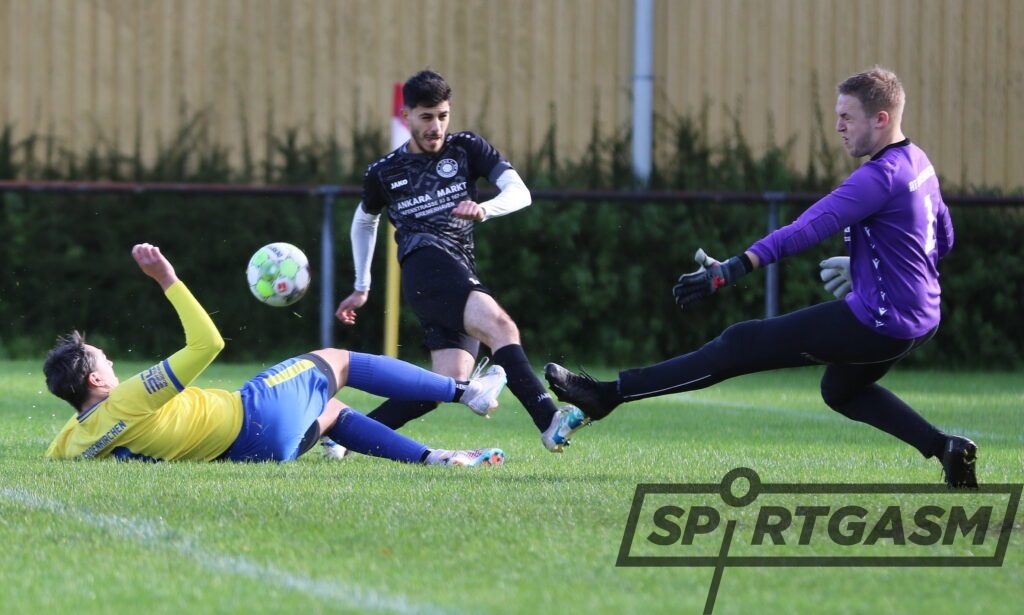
{"type": "Point", "coordinates": [396, 379]}
{"type": "Point", "coordinates": [365, 435]}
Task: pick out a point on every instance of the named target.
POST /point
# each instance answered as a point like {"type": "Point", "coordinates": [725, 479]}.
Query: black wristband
{"type": "Point", "coordinates": [747, 265]}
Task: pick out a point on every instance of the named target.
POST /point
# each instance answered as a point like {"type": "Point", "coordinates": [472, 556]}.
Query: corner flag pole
{"type": "Point", "coordinates": [399, 135]}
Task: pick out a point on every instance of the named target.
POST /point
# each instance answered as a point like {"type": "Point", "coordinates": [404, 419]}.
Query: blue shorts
{"type": "Point", "coordinates": [280, 407]}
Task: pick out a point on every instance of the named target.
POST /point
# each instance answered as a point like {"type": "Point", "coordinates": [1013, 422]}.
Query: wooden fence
{"type": "Point", "coordinates": [131, 73]}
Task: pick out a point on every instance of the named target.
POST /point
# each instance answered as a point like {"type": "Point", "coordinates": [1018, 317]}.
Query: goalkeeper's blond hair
{"type": "Point", "coordinates": [877, 89]}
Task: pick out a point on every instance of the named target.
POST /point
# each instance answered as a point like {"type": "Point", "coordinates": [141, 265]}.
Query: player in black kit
{"type": "Point", "coordinates": [428, 187]}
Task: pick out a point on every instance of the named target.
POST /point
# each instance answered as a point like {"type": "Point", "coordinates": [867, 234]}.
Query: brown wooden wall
{"type": "Point", "coordinates": [121, 70]}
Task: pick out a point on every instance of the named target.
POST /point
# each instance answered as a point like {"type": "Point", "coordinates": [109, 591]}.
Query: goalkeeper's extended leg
{"type": "Point", "coordinates": [805, 337]}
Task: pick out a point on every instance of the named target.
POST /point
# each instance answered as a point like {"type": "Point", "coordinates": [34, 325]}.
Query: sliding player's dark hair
{"type": "Point", "coordinates": [67, 369]}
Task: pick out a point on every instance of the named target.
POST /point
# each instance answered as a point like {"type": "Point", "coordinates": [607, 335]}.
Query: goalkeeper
{"type": "Point", "coordinates": [897, 227]}
{"type": "Point", "coordinates": [278, 415]}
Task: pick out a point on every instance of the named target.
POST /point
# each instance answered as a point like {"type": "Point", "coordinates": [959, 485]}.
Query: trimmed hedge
{"type": "Point", "coordinates": [587, 282]}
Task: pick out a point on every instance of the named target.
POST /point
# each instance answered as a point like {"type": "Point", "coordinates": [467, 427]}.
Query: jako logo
{"type": "Point", "coordinates": [399, 183]}
{"type": "Point", "coordinates": [883, 525]}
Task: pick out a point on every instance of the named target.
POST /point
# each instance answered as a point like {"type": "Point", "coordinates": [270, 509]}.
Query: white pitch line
{"type": "Point", "coordinates": [156, 534]}
{"type": "Point", "coordinates": [827, 414]}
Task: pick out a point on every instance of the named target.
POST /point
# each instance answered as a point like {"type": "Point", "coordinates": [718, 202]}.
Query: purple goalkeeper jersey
{"type": "Point", "coordinates": [897, 229]}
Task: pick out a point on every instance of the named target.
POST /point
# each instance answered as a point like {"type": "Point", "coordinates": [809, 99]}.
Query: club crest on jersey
{"type": "Point", "coordinates": [447, 168]}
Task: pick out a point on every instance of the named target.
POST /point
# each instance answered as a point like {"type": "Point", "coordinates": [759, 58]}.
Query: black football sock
{"type": "Point", "coordinates": [938, 446]}
{"type": "Point", "coordinates": [395, 413]}
{"type": "Point", "coordinates": [880, 408]}
{"type": "Point", "coordinates": [525, 385]}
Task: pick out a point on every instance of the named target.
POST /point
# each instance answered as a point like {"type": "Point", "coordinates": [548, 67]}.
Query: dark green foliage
{"type": "Point", "coordinates": [67, 261]}
{"type": "Point", "coordinates": [587, 282]}
{"type": "Point", "coordinates": [983, 290]}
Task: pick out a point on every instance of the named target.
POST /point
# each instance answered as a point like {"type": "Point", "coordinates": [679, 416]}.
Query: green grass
{"type": "Point", "coordinates": [540, 534]}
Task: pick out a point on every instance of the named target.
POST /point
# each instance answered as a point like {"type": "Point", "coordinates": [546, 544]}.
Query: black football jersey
{"type": "Point", "coordinates": [420, 191]}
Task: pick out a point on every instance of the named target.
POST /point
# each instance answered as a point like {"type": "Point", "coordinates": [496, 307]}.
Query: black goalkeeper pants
{"type": "Point", "coordinates": [856, 358]}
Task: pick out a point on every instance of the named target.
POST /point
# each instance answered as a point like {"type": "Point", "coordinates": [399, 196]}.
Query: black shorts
{"type": "Point", "coordinates": [436, 287]}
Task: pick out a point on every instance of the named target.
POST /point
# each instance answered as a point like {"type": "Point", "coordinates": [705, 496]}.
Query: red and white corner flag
{"type": "Point", "coordinates": [399, 128]}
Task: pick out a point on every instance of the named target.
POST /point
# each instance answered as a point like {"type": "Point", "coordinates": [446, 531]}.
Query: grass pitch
{"type": "Point", "coordinates": [540, 534]}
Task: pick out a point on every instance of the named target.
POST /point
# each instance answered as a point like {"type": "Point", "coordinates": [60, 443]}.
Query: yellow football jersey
{"type": "Point", "coordinates": [155, 415]}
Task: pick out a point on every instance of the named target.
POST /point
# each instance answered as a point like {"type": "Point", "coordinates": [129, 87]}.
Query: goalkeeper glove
{"type": "Point", "coordinates": [835, 273]}
{"type": "Point", "coordinates": [712, 275]}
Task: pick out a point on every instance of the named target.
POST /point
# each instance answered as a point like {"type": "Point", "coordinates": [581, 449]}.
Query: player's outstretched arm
{"type": "Point", "coordinates": [363, 234]}
{"type": "Point", "coordinates": [364, 237]}
{"type": "Point", "coordinates": [202, 340]}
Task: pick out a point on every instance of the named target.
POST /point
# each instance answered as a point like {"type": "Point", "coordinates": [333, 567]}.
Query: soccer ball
{"type": "Point", "coordinates": [278, 274]}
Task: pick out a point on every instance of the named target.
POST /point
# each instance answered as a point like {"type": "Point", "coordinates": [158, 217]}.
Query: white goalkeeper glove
{"type": "Point", "coordinates": [835, 273]}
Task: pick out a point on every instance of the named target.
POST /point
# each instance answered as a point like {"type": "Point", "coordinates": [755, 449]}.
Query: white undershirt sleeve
{"type": "Point", "coordinates": [513, 195]}
{"type": "Point", "coordinates": [364, 240]}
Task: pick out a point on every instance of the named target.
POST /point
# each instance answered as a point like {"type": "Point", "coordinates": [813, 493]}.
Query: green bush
{"type": "Point", "coordinates": [586, 281]}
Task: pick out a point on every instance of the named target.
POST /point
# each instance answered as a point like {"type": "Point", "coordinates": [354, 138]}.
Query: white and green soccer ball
{"type": "Point", "coordinates": [278, 274]}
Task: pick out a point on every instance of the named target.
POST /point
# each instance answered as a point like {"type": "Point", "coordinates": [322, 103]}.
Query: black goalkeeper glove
{"type": "Point", "coordinates": [712, 275]}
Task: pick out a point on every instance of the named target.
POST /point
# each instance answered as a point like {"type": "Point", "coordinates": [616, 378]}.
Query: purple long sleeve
{"type": "Point", "coordinates": [899, 228]}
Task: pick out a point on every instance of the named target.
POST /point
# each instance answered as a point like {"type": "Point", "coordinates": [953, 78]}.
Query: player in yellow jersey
{"type": "Point", "coordinates": [278, 415]}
